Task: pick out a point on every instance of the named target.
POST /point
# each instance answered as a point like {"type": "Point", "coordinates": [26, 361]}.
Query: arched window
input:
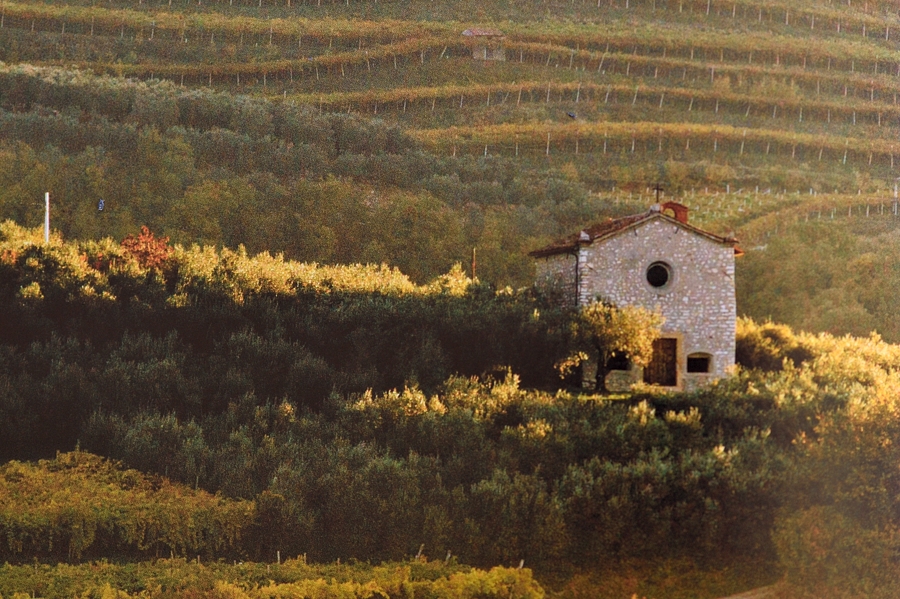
{"type": "Point", "coordinates": [699, 363]}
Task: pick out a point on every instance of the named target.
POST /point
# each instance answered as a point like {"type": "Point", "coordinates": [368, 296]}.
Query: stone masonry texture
{"type": "Point", "coordinates": [698, 302]}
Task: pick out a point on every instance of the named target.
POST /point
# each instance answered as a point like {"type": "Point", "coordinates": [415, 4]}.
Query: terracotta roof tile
{"type": "Point", "coordinates": [611, 226]}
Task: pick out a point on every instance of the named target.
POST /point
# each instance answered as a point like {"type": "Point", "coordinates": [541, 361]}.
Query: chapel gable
{"type": "Point", "coordinates": [660, 261]}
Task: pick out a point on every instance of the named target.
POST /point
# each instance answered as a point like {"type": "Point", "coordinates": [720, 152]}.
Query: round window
{"type": "Point", "coordinates": [659, 274]}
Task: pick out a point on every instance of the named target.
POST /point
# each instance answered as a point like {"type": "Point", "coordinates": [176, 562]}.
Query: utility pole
{"type": "Point", "coordinates": [47, 217]}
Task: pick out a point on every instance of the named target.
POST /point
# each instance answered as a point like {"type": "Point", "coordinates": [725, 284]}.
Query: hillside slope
{"type": "Point", "coordinates": [750, 112]}
{"type": "Point", "coordinates": [331, 398]}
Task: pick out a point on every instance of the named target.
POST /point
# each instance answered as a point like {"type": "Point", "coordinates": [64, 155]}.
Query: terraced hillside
{"type": "Point", "coordinates": [753, 112]}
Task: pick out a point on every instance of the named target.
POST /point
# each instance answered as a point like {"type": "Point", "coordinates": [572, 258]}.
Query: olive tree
{"type": "Point", "coordinates": [604, 329]}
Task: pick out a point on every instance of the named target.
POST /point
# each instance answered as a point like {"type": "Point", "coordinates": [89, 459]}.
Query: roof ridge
{"type": "Point", "coordinates": [611, 226]}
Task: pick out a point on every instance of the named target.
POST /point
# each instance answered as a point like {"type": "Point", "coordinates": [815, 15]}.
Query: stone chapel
{"type": "Point", "coordinates": [659, 261]}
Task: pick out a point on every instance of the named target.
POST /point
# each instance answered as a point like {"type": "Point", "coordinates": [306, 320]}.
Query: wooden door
{"type": "Point", "coordinates": [663, 367]}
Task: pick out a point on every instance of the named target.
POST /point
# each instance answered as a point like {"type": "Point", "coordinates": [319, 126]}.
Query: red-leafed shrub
{"type": "Point", "coordinates": [149, 251]}
{"type": "Point", "coordinates": [9, 256]}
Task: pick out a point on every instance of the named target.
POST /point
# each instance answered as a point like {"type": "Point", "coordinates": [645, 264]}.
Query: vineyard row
{"type": "Point", "coordinates": [812, 16]}
{"type": "Point", "coordinates": [832, 79]}
{"type": "Point", "coordinates": [688, 100]}
{"type": "Point", "coordinates": [761, 229]}
{"type": "Point", "coordinates": [401, 55]}
{"type": "Point", "coordinates": [23, 82]}
{"type": "Point", "coordinates": [678, 42]}
{"type": "Point", "coordinates": [765, 212]}
{"type": "Point", "coordinates": [669, 139]}
{"type": "Point", "coordinates": [122, 23]}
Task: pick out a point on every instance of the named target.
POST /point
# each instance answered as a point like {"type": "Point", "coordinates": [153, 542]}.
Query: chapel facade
{"type": "Point", "coordinates": [659, 261]}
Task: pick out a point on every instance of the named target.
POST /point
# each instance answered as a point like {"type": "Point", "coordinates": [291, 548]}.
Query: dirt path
{"type": "Point", "coordinates": [760, 593]}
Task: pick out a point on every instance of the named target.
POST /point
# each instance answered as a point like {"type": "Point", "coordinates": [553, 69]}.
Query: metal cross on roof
{"type": "Point", "coordinates": [657, 189]}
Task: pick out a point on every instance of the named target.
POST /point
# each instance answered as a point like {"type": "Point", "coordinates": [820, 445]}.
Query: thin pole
{"type": "Point", "coordinates": [47, 217]}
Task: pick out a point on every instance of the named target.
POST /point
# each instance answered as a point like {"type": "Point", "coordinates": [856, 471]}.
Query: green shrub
{"type": "Point", "coordinates": [824, 553]}
{"type": "Point", "coordinates": [766, 346]}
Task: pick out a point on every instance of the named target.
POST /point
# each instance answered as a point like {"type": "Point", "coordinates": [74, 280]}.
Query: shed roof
{"type": "Point", "coordinates": [482, 32]}
{"type": "Point", "coordinates": [611, 227]}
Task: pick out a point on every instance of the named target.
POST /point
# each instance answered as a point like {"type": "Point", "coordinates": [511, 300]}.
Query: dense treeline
{"type": "Point", "coordinates": [331, 399]}
{"type": "Point", "coordinates": [485, 470]}
{"type": "Point", "coordinates": [272, 380]}
{"type": "Point", "coordinates": [93, 326]}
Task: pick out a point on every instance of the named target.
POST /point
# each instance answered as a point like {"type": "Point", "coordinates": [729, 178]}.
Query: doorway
{"type": "Point", "coordinates": [663, 367]}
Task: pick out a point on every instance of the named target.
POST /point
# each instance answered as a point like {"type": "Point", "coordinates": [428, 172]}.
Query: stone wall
{"type": "Point", "coordinates": [698, 302]}
{"type": "Point", "coordinates": [494, 51]}
{"type": "Point", "coordinates": [555, 277]}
